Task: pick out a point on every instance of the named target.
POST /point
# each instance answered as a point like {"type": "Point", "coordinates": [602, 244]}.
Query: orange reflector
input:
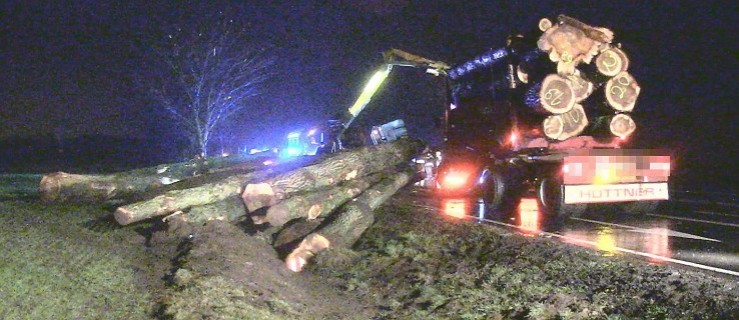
{"type": "Point", "coordinates": [455, 208]}
{"type": "Point", "coordinates": [528, 214]}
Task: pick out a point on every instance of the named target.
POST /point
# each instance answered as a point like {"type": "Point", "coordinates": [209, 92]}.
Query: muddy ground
{"type": "Point", "coordinates": [415, 264]}
{"type": "Point", "coordinates": [63, 261]}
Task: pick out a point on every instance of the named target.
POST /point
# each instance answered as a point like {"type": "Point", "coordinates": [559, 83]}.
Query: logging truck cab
{"type": "Point", "coordinates": [537, 119]}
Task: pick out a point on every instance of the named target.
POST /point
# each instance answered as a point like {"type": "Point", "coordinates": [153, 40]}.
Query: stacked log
{"type": "Point", "coordinates": [265, 188]}
{"type": "Point", "coordinates": [349, 223]}
{"type": "Point", "coordinates": [568, 73]}
{"type": "Point", "coordinates": [62, 186]}
{"type": "Point", "coordinates": [332, 192]}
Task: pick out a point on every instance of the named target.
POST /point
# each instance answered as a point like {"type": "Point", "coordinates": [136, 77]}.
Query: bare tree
{"type": "Point", "coordinates": [214, 69]}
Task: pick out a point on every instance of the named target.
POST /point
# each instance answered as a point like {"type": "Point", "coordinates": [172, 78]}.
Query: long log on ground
{"type": "Point", "coordinates": [61, 186]}
{"type": "Point", "coordinates": [181, 200]}
{"type": "Point", "coordinates": [203, 193]}
{"type": "Point", "coordinates": [319, 203]}
{"type": "Point", "coordinates": [230, 209]}
{"type": "Point", "coordinates": [350, 223]}
{"type": "Point", "coordinates": [343, 167]}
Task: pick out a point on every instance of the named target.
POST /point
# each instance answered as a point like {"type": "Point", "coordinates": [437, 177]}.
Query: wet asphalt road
{"type": "Point", "coordinates": [692, 230]}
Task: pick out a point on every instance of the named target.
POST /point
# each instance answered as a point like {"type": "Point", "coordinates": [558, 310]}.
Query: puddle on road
{"type": "Point", "coordinates": [654, 241]}
{"type": "Point", "coordinates": [651, 237]}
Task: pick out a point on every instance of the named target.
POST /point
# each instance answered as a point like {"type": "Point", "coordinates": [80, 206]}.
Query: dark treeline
{"type": "Point", "coordinates": [84, 154]}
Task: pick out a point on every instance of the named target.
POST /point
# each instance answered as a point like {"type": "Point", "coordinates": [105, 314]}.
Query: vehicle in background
{"type": "Point", "coordinates": [338, 133]}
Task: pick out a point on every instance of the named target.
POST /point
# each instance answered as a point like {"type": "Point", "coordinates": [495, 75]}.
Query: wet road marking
{"type": "Point", "coordinates": [726, 259]}
{"type": "Point", "coordinates": [624, 250]}
{"type": "Point", "coordinates": [725, 204]}
{"type": "Point", "coordinates": [735, 225]}
{"type": "Point", "coordinates": [713, 213]}
{"type": "Point", "coordinates": [670, 233]}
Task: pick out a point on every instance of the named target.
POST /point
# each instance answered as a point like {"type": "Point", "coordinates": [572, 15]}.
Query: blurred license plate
{"type": "Point", "coordinates": [615, 192]}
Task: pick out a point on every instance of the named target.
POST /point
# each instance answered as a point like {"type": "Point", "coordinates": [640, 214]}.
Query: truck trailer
{"type": "Point", "coordinates": [548, 115]}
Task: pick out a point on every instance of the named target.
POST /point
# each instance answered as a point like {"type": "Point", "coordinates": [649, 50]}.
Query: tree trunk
{"type": "Point", "coordinates": [229, 209]}
{"type": "Point", "coordinates": [319, 203]}
{"type": "Point", "coordinates": [348, 225]}
{"type": "Point", "coordinates": [599, 34]}
{"type": "Point", "coordinates": [571, 42]}
{"type": "Point", "coordinates": [581, 88]}
{"type": "Point", "coordinates": [61, 186]}
{"type": "Point", "coordinates": [343, 167]}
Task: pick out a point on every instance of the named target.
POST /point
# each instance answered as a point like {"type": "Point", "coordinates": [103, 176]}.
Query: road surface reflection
{"type": "Point", "coordinates": [649, 237]}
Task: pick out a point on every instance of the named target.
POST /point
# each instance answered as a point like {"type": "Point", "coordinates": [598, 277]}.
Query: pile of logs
{"type": "Point", "coordinates": [571, 73]}
{"type": "Point", "coordinates": [345, 186]}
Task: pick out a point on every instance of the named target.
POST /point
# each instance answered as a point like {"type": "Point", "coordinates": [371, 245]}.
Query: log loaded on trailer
{"type": "Point", "coordinates": [549, 115]}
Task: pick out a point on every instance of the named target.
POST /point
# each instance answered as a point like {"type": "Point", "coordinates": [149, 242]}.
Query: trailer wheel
{"type": "Point", "coordinates": [494, 187]}
{"type": "Point", "coordinates": [550, 199]}
{"type": "Point", "coordinates": [501, 190]}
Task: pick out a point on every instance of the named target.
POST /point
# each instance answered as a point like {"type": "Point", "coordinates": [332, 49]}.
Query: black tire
{"type": "Point", "coordinates": [550, 199]}
{"type": "Point", "coordinates": [493, 188]}
{"type": "Point", "coordinates": [501, 190]}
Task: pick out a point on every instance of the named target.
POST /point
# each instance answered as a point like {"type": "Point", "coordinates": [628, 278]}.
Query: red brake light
{"type": "Point", "coordinates": [454, 179]}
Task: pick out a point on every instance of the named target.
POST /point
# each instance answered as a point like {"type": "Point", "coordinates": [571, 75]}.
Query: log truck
{"type": "Point", "coordinates": [549, 116]}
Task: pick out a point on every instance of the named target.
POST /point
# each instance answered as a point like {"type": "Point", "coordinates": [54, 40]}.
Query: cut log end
{"type": "Point", "coordinates": [258, 195]}
{"type": "Point", "coordinates": [556, 95]}
{"type": "Point", "coordinates": [622, 91]}
{"type": "Point", "coordinates": [50, 187]}
{"type": "Point", "coordinates": [574, 123]}
{"type": "Point", "coordinates": [124, 216]}
{"type": "Point", "coordinates": [545, 24]}
{"type": "Point", "coordinates": [311, 245]}
{"type": "Point", "coordinates": [622, 125]}
{"type": "Point", "coordinates": [566, 125]}
{"type": "Point", "coordinates": [611, 62]}
{"type": "Point", "coordinates": [553, 126]}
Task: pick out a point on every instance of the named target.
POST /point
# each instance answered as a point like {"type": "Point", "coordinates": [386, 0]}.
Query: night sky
{"type": "Point", "coordinates": [68, 67]}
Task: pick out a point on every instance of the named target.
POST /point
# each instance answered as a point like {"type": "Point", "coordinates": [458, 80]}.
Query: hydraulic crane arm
{"type": "Point", "coordinates": [393, 57]}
